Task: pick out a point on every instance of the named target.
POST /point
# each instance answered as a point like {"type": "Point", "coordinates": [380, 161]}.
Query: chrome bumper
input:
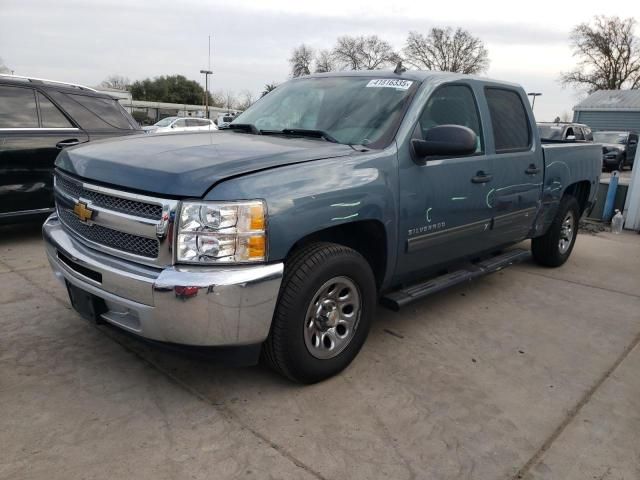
{"type": "Point", "coordinates": [204, 306]}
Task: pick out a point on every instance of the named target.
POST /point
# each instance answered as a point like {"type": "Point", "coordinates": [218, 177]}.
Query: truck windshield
{"type": "Point", "coordinates": [352, 110]}
{"type": "Point", "coordinates": [610, 137]}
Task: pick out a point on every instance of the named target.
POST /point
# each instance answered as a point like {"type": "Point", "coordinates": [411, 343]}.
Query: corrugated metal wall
{"type": "Point", "coordinates": [627, 121]}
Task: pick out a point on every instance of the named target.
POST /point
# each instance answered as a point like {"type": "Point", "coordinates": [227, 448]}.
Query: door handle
{"type": "Point", "coordinates": [481, 177]}
{"type": "Point", "coordinates": [532, 170]}
{"type": "Point", "coordinates": [67, 143]}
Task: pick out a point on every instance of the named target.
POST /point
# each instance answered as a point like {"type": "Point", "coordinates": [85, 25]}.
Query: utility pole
{"type": "Point", "coordinates": [206, 82]}
{"type": "Point", "coordinates": [534, 95]}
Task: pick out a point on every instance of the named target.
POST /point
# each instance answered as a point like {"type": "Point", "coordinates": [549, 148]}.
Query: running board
{"type": "Point", "coordinates": [399, 298]}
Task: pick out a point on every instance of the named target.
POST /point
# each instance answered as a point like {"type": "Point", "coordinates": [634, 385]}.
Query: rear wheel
{"type": "Point", "coordinates": [555, 246]}
{"type": "Point", "coordinates": [324, 313]}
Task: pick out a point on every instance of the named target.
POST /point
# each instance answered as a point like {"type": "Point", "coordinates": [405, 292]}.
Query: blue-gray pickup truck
{"type": "Point", "coordinates": [278, 237]}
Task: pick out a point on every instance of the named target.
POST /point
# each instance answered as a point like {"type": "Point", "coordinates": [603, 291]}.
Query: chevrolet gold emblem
{"type": "Point", "coordinates": [83, 213]}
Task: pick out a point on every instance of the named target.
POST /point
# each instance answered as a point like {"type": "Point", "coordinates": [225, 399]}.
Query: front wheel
{"type": "Point", "coordinates": [324, 313]}
{"type": "Point", "coordinates": [554, 247]}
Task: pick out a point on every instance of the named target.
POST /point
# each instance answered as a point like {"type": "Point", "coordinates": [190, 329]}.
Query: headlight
{"type": "Point", "coordinates": [221, 232]}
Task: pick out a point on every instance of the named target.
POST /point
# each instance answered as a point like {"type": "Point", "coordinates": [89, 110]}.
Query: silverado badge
{"type": "Point", "coordinates": [83, 213]}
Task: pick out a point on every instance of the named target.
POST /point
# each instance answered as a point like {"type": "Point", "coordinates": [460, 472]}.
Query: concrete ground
{"type": "Point", "coordinates": [529, 373]}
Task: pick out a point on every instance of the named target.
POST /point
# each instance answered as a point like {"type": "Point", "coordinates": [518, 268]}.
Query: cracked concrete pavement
{"type": "Point", "coordinates": [528, 373]}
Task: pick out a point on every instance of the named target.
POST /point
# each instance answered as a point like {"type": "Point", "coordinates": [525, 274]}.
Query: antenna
{"type": "Point", "coordinates": [399, 68]}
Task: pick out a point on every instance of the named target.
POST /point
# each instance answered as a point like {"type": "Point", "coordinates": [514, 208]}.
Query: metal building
{"type": "Point", "coordinates": [610, 110]}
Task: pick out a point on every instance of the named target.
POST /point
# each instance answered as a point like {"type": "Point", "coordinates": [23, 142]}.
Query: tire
{"type": "Point", "coordinates": [621, 165]}
{"type": "Point", "coordinates": [554, 248]}
{"type": "Point", "coordinates": [307, 306]}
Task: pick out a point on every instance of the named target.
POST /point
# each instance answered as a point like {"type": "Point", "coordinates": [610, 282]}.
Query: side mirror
{"type": "Point", "coordinates": [173, 125]}
{"type": "Point", "coordinates": [571, 137]}
{"type": "Point", "coordinates": [445, 141]}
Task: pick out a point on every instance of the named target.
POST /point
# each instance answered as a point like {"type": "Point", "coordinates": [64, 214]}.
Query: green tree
{"type": "Point", "coordinates": [269, 87]}
{"type": "Point", "coordinates": [170, 89]}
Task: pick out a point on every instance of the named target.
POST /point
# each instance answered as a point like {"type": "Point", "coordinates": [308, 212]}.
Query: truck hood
{"type": "Point", "coordinates": [189, 164]}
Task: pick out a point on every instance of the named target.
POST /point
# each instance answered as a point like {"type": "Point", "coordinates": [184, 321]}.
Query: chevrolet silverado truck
{"type": "Point", "coordinates": [278, 237]}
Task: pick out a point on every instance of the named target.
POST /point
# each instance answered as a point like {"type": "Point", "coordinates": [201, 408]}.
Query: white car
{"type": "Point", "coordinates": [181, 124]}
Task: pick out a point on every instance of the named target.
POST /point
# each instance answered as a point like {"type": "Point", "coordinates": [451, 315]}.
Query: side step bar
{"type": "Point", "coordinates": [399, 298]}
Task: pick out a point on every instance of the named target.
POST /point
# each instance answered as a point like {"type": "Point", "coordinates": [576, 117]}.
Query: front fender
{"type": "Point", "coordinates": [309, 197]}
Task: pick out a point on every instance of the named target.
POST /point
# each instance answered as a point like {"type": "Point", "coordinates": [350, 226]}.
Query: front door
{"type": "Point", "coordinates": [444, 213]}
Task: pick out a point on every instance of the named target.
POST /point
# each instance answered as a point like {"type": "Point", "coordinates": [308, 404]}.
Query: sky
{"type": "Point", "coordinates": [85, 41]}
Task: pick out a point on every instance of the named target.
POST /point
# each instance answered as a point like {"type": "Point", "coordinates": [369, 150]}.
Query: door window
{"type": "Point", "coordinates": [511, 129]}
{"type": "Point", "coordinates": [18, 108]}
{"type": "Point", "coordinates": [452, 105]}
{"type": "Point", "coordinates": [93, 113]}
{"type": "Point", "coordinates": [50, 115]}
{"type": "Point", "coordinates": [578, 133]}
{"type": "Point", "coordinates": [180, 123]}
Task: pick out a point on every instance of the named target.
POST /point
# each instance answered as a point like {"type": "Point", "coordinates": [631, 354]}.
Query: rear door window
{"type": "Point", "coordinates": [18, 108]}
{"type": "Point", "coordinates": [93, 113]}
{"type": "Point", "coordinates": [50, 115]}
{"type": "Point", "coordinates": [511, 129]}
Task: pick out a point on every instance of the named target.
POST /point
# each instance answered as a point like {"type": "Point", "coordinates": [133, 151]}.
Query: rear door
{"type": "Point", "coordinates": [516, 162]}
{"type": "Point", "coordinates": [32, 133]}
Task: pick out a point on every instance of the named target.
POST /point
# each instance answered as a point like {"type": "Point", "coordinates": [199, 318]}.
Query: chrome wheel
{"type": "Point", "coordinates": [567, 231]}
{"type": "Point", "coordinates": [332, 318]}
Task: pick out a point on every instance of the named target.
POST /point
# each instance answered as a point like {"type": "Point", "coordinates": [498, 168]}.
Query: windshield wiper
{"type": "Point", "coordinates": [303, 132]}
{"type": "Point", "coordinates": [245, 127]}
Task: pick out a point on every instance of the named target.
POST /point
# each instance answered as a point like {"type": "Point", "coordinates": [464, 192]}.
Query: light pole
{"type": "Point", "coordinates": [534, 95]}
{"type": "Point", "coordinates": [206, 90]}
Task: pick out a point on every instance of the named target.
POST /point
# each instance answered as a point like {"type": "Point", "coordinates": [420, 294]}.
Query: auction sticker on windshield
{"type": "Point", "coordinates": [390, 83]}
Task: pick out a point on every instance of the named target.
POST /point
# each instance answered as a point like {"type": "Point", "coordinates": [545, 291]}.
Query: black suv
{"type": "Point", "coordinates": [38, 118]}
{"type": "Point", "coordinates": [618, 149]}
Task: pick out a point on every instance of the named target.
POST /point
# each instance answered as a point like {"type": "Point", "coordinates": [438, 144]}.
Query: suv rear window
{"type": "Point", "coordinates": [509, 120]}
{"type": "Point", "coordinates": [93, 113]}
{"type": "Point", "coordinates": [18, 108]}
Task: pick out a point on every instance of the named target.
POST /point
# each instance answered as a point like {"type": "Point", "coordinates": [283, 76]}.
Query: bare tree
{"type": "Point", "coordinates": [116, 81]}
{"type": "Point", "coordinates": [269, 87]}
{"type": "Point", "coordinates": [446, 50]}
{"type": "Point", "coordinates": [3, 67]}
{"type": "Point", "coordinates": [608, 55]}
{"type": "Point", "coordinates": [229, 99]}
{"type": "Point", "coordinates": [300, 61]}
{"type": "Point", "coordinates": [245, 100]}
{"type": "Point", "coordinates": [325, 61]}
{"type": "Point", "coordinates": [364, 53]}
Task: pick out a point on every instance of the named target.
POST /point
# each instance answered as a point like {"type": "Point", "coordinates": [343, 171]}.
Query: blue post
{"type": "Point", "coordinates": [609, 202]}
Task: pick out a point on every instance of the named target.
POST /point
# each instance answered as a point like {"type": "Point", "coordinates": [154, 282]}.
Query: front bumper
{"type": "Point", "coordinates": [200, 306]}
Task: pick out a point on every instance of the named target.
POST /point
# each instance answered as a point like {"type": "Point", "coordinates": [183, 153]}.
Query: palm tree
{"type": "Point", "coordinates": [269, 87]}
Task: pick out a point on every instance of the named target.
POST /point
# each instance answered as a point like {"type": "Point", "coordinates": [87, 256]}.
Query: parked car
{"type": "Point", "coordinates": [618, 149]}
{"type": "Point", "coordinates": [39, 118]}
{"type": "Point", "coordinates": [564, 132]}
{"type": "Point", "coordinates": [280, 234]}
{"type": "Point", "coordinates": [181, 124]}
{"type": "Point", "coordinates": [225, 120]}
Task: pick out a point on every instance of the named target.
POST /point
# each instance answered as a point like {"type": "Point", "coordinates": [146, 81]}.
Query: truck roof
{"type": "Point", "coordinates": [415, 75]}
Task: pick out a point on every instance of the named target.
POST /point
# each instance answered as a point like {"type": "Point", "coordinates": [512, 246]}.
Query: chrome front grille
{"type": "Point", "coordinates": [127, 225]}
{"type": "Point", "coordinates": [146, 247]}
{"type": "Point", "coordinates": [119, 204]}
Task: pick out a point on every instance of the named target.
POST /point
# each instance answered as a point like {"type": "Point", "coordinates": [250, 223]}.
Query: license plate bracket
{"type": "Point", "coordinates": [86, 304]}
